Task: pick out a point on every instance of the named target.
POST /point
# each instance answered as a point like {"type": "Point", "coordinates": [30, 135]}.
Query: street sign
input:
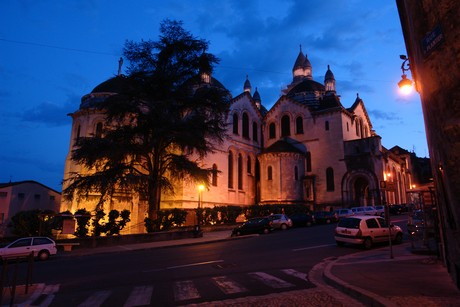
{"type": "Point", "coordinates": [432, 40]}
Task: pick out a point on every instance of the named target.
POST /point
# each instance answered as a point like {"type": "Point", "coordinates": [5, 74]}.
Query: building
{"type": "Point", "coordinates": [431, 32]}
{"type": "Point", "coordinates": [307, 149]}
{"type": "Point", "coordinates": [25, 196]}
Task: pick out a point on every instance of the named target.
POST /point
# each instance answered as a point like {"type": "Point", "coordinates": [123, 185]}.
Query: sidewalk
{"type": "Point", "coordinates": [367, 278]}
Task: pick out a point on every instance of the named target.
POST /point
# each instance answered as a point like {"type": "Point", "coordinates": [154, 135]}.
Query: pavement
{"type": "Point", "coordinates": [398, 275]}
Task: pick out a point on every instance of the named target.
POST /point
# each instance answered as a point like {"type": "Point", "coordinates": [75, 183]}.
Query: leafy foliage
{"type": "Point", "coordinates": [32, 223]}
{"type": "Point", "coordinates": [160, 127]}
{"type": "Point", "coordinates": [83, 217]}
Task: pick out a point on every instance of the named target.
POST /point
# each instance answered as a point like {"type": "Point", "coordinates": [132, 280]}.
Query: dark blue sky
{"type": "Point", "coordinates": [54, 52]}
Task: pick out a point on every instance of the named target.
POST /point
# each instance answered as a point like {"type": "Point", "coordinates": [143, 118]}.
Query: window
{"type": "Point", "coordinates": [37, 196]}
{"type": "Point", "coordinates": [245, 125]}
{"type": "Point", "coordinates": [214, 175]}
{"type": "Point", "coordinates": [2, 218]}
{"type": "Point", "coordinates": [299, 125]}
{"type": "Point", "coordinates": [357, 127]}
{"type": "Point", "coordinates": [269, 173]}
{"type": "Point", "coordinates": [249, 166]}
{"type": "Point", "coordinates": [21, 243]}
{"type": "Point", "coordinates": [326, 125]}
{"type": "Point", "coordinates": [21, 195]}
{"type": "Point", "coordinates": [235, 123]}
{"type": "Point", "coordinates": [78, 132]}
{"type": "Point", "coordinates": [296, 173]}
{"type": "Point", "coordinates": [230, 170]}
{"type": "Point", "coordinates": [52, 198]}
{"type": "Point", "coordinates": [240, 172]}
{"type": "Point", "coordinates": [285, 126]}
{"type": "Point", "coordinates": [372, 223]}
{"type": "Point", "coordinates": [348, 128]}
{"type": "Point", "coordinates": [3, 194]}
{"type": "Point", "coordinates": [330, 179]}
{"type": "Point", "coordinates": [308, 158]}
{"type": "Point", "coordinates": [99, 130]}
{"type": "Point", "coordinates": [41, 241]}
{"type": "Point", "coordinates": [272, 131]}
{"type": "Point", "coordinates": [255, 132]}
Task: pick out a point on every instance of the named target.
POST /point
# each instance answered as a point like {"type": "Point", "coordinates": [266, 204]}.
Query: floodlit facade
{"type": "Point", "coordinates": [307, 149]}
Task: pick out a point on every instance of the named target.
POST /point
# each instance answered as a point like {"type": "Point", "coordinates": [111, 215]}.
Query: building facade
{"type": "Point", "coordinates": [307, 149]}
{"type": "Point", "coordinates": [25, 196]}
{"type": "Point", "coordinates": [431, 32]}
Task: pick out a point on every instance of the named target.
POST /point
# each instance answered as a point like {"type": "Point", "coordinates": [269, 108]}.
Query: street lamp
{"type": "Point", "coordinates": [199, 211]}
{"type": "Point", "coordinates": [405, 85]}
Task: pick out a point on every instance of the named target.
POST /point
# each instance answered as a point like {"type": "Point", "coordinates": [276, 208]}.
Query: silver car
{"type": "Point", "coordinates": [280, 221]}
{"type": "Point", "coordinates": [41, 247]}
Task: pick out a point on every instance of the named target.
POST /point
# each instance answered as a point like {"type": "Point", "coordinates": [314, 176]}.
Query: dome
{"type": "Point", "coordinates": [247, 85]}
{"type": "Point", "coordinates": [256, 96]}
{"type": "Point", "coordinates": [116, 84]}
{"type": "Point", "coordinates": [306, 86]}
{"type": "Point", "coordinates": [329, 75]}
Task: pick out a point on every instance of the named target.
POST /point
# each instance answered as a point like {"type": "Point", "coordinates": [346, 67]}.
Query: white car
{"type": "Point", "coordinates": [364, 210]}
{"type": "Point", "coordinates": [366, 230]}
{"type": "Point", "coordinates": [42, 248]}
{"type": "Point", "coordinates": [280, 221]}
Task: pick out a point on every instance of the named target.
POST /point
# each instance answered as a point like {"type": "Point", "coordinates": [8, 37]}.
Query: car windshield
{"type": "Point", "coordinates": [349, 223]}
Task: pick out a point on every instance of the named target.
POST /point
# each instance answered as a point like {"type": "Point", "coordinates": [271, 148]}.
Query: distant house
{"type": "Point", "coordinates": [23, 196]}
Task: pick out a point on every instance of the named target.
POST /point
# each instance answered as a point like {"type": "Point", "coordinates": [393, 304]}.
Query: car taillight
{"type": "Point", "coordinates": [359, 233]}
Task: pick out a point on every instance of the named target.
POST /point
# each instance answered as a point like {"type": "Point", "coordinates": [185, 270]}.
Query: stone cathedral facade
{"type": "Point", "coordinates": [307, 149]}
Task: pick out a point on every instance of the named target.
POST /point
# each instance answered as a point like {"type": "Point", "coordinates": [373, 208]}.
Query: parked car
{"type": "Point", "coordinates": [380, 210]}
{"type": "Point", "coordinates": [42, 248]}
{"type": "Point", "coordinates": [341, 213]}
{"type": "Point", "coordinates": [254, 225]}
{"type": "Point", "coordinates": [366, 230]}
{"type": "Point", "coordinates": [395, 209]}
{"type": "Point", "coordinates": [325, 217]}
{"type": "Point", "coordinates": [419, 223]}
{"type": "Point", "coordinates": [302, 219]}
{"type": "Point", "coordinates": [364, 210]}
{"type": "Point", "coordinates": [280, 221]}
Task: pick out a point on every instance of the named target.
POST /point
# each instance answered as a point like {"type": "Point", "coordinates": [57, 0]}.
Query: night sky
{"type": "Point", "coordinates": [54, 52]}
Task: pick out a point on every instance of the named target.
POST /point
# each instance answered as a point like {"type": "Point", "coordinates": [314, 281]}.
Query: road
{"type": "Point", "coordinates": [253, 266]}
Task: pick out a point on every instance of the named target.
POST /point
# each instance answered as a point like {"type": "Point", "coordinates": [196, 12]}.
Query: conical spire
{"type": "Point", "coordinates": [247, 85]}
{"type": "Point", "coordinates": [329, 80]}
{"type": "Point", "coordinates": [257, 99]}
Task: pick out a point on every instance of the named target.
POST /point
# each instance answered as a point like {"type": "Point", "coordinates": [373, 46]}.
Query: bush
{"type": "Point", "coordinates": [83, 217]}
{"type": "Point", "coordinates": [166, 219]}
{"type": "Point", "coordinates": [32, 223]}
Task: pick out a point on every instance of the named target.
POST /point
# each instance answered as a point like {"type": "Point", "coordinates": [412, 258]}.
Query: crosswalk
{"type": "Point", "coordinates": [185, 291]}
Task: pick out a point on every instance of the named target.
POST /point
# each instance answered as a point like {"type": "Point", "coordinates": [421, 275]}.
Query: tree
{"type": "Point", "coordinates": [161, 127]}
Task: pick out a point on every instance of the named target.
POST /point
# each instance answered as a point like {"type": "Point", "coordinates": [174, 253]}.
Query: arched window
{"type": "Point", "coordinates": [269, 173]}
{"type": "Point", "coordinates": [326, 125]}
{"type": "Point", "coordinates": [299, 125]}
{"type": "Point", "coordinates": [255, 132]}
{"type": "Point", "coordinates": [249, 166]}
{"type": "Point", "coordinates": [296, 173]}
{"type": "Point", "coordinates": [214, 175]}
{"type": "Point", "coordinates": [308, 158]}
{"type": "Point", "coordinates": [285, 126]}
{"type": "Point", "coordinates": [357, 127]}
{"type": "Point", "coordinates": [230, 170]}
{"type": "Point", "coordinates": [240, 172]}
{"type": "Point", "coordinates": [245, 125]}
{"type": "Point", "coordinates": [330, 179]}
{"type": "Point", "coordinates": [235, 123]}
{"type": "Point", "coordinates": [348, 128]}
{"type": "Point", "coordinates": [272, 131]}
{"type": "Point", "coordinates": [99, 130]}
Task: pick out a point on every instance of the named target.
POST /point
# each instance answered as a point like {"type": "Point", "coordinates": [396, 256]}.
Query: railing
{"type": "Point", "coordinates": [8, 281]}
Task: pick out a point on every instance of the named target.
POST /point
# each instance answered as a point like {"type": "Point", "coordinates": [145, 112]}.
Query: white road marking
{"type": "Point", "coordinates": [140, 296]}
{"type": "Point", "coordinates": [297, 274]}
{"type": "Point", "coordinates": [312, 247]}
{"type": "Point", "coordinates": [185, 290]}
{"type": "Point", "coordinates": [228, 286]}
{"type": "Point", "coordinates": [271, 281]}
{"type": "Point", "coordinates": [193, 264]}
{"type": "Point", "coordinates": [96, 299]}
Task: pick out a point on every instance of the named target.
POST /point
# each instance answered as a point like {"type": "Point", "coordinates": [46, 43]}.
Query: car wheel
{"type": "Point", "coordinates": [283, 227]}
{"type": "Point", "coordinates": [266, 230]}
{"type": "Point", "coordinates": [340, 243]}
{"type": "Point", "coordinates": [367, 243]}
{"type": "Point", "coordinates": [328, 221]}
{"type": "Point", "coordinates": [308, 224]}
{"type": "Point", "coordinates": [43, 255]}
{"type": "Point", "coordinates": [398, 238]}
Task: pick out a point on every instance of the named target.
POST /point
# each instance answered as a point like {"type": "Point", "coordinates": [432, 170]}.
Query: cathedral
{"type": "Point", "coordinates": [308, 149]}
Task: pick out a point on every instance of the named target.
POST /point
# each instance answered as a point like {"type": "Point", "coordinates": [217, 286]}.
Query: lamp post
{"type": "Point", "coordinates": [199, 212]}
{"type": "Point", "coordinates": [405, 85]}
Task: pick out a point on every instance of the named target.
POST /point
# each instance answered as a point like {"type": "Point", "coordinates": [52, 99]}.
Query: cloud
{"type": "Point", "coordinates": [51, 114]}
{"type": "Point", "coordinates": [384, 115]}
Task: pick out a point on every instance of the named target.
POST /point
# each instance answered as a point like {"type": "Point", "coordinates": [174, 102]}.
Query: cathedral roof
{"type": "Point", "coordinates": [117, 84]}
{"type": "Point", "coordinates": [306, 86]}
{"type": "Point", "coordinates": [300, 61]}
{"type": "Point", "coordinates": [282, 146]}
